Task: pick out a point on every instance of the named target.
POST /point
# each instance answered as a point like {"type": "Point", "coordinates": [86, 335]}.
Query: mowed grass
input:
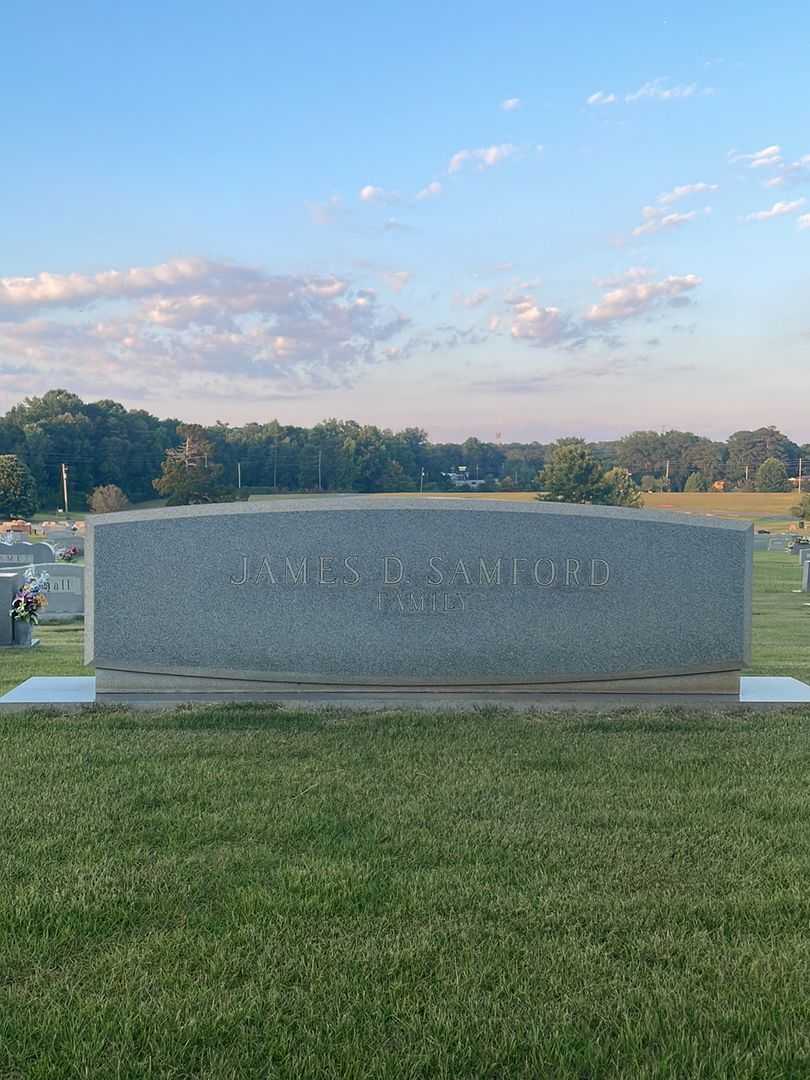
{"type": "Point", "coordinates": [780, 618]}
{"type": "Point", "coordinates": [243, 892]}
{"type": "Point", "coordinates": [58, 653]}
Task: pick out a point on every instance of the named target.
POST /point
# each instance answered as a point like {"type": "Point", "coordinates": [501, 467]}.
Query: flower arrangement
{"type": "Point", "coordinates": [69, 554]}
{"type": "Point", "coordinates": [30, 598]}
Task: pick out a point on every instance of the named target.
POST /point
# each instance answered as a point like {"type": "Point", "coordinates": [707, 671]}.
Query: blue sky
{"type": "Point", "coordinates": [479, 219]}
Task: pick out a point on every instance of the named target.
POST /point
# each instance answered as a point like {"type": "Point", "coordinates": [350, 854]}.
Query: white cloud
{"type": "Point", "coordinates": [72, 290]}
{"type": "Point", "coordinates": [656, 90]}
{"type": "Point", "coordinates": [796, 173]}
{"type": "Point", "coordinates": [371, 194]}
{"type": "Point", "coordinates": [678, 193]}
{"type": "Point", "coordinates": [397, 279]}
{"type": "Point", "coordinates": [601, 98]}
{"type": "Point", "coordinates": [196, 327]}
{"type": "Point", "coordinates": [657, 220]}
{"type": "Point", "coordinates": [534, 323]}
{"type": "Point", "coordinates": [511, 104]}
{"type": "Point", "coordinates": [474, 299]}
{"type": "Point", "coordinates": [804, 221]}
{"type": "Point", "coordinates": [485, 157]}
{"type": "Point", "coordinates": [638, 297]}
{"type": "Point", "coordinates": [779, 209]}
{"type": "Point", "coordinates": [767, 158]}
{"type": "Point", "coordinates": [430, 191]}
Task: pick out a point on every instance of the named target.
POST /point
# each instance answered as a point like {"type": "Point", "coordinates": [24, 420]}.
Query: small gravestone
{"type": "Point", "coordinates": [804, 553]}
{"type": "Point", "coordinates": [64, 589]}
{"type": "Point", "coordinates": [806, 576]}
{"type": "Point", "coordinates": [62, 540]}
{"type": "Point", "coordinates": [761, 543]}
{"type": "Point", "coordinates": [25, 554]}
{"type": "Point", "coordinates": [10, 581]}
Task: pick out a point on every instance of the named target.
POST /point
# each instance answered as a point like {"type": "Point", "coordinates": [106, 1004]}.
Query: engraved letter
{"type": "Point", "coordinates": [355, 580]}
{"type": "Point", "coordinates": [388, 560]}
{"type": "Point", "coordinates": [265, 569]}
{"type": "Point", "coordinates": [549, 580]}
{"type": "Point", "coordinates": [518, 569]}
{"type": "Point", "coordinates": [299, 575]}
{"type": "Point", "coordinates": [435, 570]}
{"type": "Point", "coordinates": [325, 567]}
{"type": "Point", "coordinates": [244, 573]}
{"type": "Point", "coordinates": [572, 571]}
{"type": "Point", "coordinates": [487, 576]}
{"type": "Point", "coordinates": [460, 570]}
{"type": "Point", "coordinates": [605, 577]}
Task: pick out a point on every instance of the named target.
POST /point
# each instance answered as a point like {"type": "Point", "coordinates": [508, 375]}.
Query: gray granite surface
{"type": "Point", "coordinates": [806, 577]}
{"type": "Point", "coordinates": [25, 554]}
{"type": "Point", "coordinates": [65, 589]}
{"type": "Point", "coordinates": [10, 581]}
{"type": "Point", "coordinates": [417, 591]}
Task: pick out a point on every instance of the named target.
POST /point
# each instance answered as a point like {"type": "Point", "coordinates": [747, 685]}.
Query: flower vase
{"type": "Point", "coordinates": [21, 633]}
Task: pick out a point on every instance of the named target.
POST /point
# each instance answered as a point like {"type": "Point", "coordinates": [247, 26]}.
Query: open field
{"type": "Point", "coordinates": [243, 892]}
{"type": "Point", "coordinates": [781, 631]}
{"type": "Point", "coordinates": [766, 509]}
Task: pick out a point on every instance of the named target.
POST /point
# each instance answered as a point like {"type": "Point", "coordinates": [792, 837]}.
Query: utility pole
{"type": "Point", "coordinates": [239, 474]}
{"type": "Point", "coordinates": [320, 456]}
{"type": "Point", "coordinates": [275, 467]}
{"type": "Point", "coordinates": [666, 475]}
{"type": "Point", "coordinates": [421, 480]}
{"type": "Point", "coordinates": [747, 467]}
{"type": "Point", "coordinates": [800, 476]}
{"type": "Point", "coordinates": [64, 485]}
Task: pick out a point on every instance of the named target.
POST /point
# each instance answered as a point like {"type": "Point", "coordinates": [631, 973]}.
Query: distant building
{"type": "Point", "coordinates": [460, 477]}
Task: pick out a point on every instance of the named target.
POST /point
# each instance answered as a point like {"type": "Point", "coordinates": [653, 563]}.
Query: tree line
{"type": "Point", "coordinates": [103, 443]}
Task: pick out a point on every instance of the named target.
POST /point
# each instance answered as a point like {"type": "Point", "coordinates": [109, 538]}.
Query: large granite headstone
{"type": "Point", "coordinates": [64, 589]}
{"type": "Point", "coordinates": [25, 554]}
{"type": "Point", "coordinates": [383, 593]}
{"type": "Point", "coordinates": [803, 553]}
{"type": "Point", "coordinates": [806, 577]}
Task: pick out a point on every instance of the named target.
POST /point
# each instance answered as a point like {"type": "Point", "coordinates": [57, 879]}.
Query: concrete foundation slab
{"type": "Point", "coordinates": [77, 691]}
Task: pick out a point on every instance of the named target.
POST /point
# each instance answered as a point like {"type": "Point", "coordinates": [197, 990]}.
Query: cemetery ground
{"type": "Point", "coordinates": [242, 891]}
{"type": "Point", "coordinates": [247, 892]}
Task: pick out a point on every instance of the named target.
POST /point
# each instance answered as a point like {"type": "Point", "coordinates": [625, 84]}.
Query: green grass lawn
{"type": "Point", "coordinates": [245, 892]}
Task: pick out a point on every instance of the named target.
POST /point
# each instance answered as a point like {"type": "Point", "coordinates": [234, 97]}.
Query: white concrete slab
{"type": "Point", "coordinates": [81, 690]}
{"type": "Point", "coordinates": [44, 690]}
{"type": "Point", "coordinates": [772, 689]}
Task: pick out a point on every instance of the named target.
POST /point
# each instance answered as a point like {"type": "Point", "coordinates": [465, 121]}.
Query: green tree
{"type": "Point", "coordinates": [622, 489]}
{"type": "Point", "coordinates": [572, 474]}
{"type": "Point", "coordinates": [750, 449]}
{"type": "Point", "coordinates": [18, 490]}
{"type": "Point", "coordinates": [696, 481]}
{"type": "Point", "coordinates": [188, 473]}
{"type": "Point", "coordinates": [108, 499]}
{"type": "Point", "coordinates": [772, 476]}
{"type": "Point", "coordinates": [802, 507]}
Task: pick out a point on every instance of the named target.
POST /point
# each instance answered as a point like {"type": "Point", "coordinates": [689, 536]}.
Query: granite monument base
{"type": "Point", "coordinates": [111, 683]}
